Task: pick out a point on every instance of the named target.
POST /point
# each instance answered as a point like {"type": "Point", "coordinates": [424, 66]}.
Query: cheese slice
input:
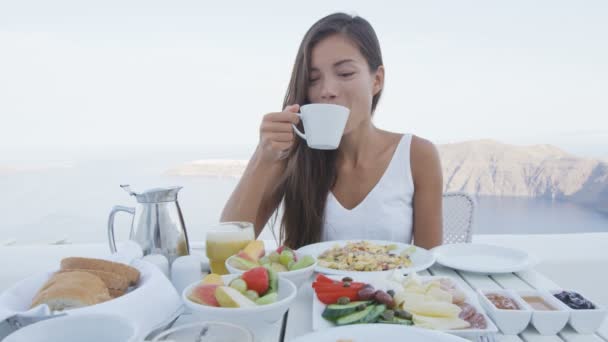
{"type": "Point", "coordinates": [440, 295]}
{"type": "Point", "coordinates": [440, 323]}
{"type": "Point", "coordinates": [428, 306]}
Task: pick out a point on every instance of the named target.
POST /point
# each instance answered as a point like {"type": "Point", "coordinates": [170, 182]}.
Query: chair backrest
{"type": "Point", "coordinates": [458, 214]}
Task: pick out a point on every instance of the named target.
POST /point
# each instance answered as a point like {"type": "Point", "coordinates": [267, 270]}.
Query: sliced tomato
{"type": "Point", "coordinates": [328, 290]}
{"type": "Point", "coordinates": [341, 290]}
{"type": "Point", "coordinates": [329, 294]}
{"type": "Point", "coordinates": [323, 279]}
{"type": "Point", "coordinates": [332, 297]}
{"type": "Point", "coordinates": [336, 287]}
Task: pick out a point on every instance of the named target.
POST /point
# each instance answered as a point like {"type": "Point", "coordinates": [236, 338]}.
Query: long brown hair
{"type": "Point", "coordinates": [310, 174]}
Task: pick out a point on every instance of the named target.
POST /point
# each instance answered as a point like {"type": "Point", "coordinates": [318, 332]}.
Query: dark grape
{"type": "Point", "coordinates": [384, 298]}
{"type": "Point", "coordinates": [366, 293]}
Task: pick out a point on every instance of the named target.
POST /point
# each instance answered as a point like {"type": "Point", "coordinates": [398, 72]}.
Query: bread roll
{"type": "Point", "coordinates": [68, 290]}
{"type": "Point", "coordinates": [114, 293]}
{"type": "Point", "coordinates": [113, 281]}
{"type": "Point", "coordinates": [132, 274]}
{"type": "Point", "coordinates": [76, 278]}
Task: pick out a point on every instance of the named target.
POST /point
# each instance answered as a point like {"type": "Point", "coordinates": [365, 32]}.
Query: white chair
{"type": "Point", "coordinates": [458, 214]}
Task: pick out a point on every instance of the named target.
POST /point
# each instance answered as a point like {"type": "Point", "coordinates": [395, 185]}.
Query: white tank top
{"type": "Point", "coordinates": [385, 213]}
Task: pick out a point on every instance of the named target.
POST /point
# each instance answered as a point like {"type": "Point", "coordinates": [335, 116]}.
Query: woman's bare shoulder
{"type": "Point", "coordinates": [424, 158]}
{"type": "Point", "coordinates": [422, 147]}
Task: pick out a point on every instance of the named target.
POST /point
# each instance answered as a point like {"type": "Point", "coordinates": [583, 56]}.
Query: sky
{"type": "Point", "coordinates": [171, 73]}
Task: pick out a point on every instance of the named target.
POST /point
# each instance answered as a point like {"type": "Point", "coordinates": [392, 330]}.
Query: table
{"type": "Point", "coordinates": [40, 258]}
{"type": "Point", "coordinates": [299, 319]}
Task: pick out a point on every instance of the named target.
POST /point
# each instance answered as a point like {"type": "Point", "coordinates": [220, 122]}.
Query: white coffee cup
{"type": "Point", "coordinates": [324, 125]}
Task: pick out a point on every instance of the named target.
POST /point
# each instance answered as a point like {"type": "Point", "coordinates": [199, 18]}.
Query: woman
{"type": "Point", "coordinates": [376, 185]}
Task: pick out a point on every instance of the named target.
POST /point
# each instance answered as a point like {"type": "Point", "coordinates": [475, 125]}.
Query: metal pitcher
{"type": "Point", "coordinates": [157, 226]}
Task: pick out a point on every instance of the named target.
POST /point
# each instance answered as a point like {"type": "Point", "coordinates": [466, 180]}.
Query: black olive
{"type": "Point", "coordinates": [403, 314]}
{"type": "Point", "coordinates": [361, 307]}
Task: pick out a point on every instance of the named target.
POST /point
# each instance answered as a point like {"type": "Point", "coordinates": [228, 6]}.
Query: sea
{"type": "Point", "coordinates": [51, 196]}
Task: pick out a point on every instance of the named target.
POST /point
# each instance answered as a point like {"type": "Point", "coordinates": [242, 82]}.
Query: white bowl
{"type": "Point", "coordinates": [585, 321]}
{"type": "Point", "coordinates": [135, 304]}
{"type": "Point", "coordinates": [297, 277]}
{"type": "Point", "coordinates": [78, 328]}
{"type": "Point", "coordinates": [215, 330]}
{"type": "Point", "coordinates": [547, 322]}
{"type": "Point", "coordinates": [268, 313]}
{"type": "Point", "coordinates": [510, 322]}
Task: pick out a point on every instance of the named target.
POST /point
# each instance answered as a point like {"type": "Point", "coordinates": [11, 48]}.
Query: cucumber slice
{"type": "Point", "coordinates": [374, 314]}
{"type": "Point", "coordinates": [397, 320]}
{"type": "Point", "coordinates": [334, 311]}
{"type": "Point", "coordinates": [355, 317]}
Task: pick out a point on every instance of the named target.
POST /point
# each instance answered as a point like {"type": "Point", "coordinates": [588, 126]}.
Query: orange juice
{"type": "Point", "coordinates": [225, 240]}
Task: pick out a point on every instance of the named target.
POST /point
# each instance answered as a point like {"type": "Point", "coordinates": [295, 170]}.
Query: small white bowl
{"type": "Point", "coordinates": [510, 322]}
{"type": "Point", "coordinates": [78, 328]}
{"type": "Point", "coordinates": [584, 321]}
{"type": "Point", "coordinates": [297, 277]}
{"type": "Point", "coordinates": [215, 330]}
{"type": "Point", "coordinates": [547, 322]}
{"type": "Point", "coordinates": [268, 313]}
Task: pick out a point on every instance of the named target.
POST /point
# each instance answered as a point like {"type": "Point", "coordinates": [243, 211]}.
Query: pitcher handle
{"type": "Point", "coordinates": [113, 213]}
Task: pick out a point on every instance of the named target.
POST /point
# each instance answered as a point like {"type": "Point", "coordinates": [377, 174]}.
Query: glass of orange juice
{"type": "Point", "coordinates": [225, 240]}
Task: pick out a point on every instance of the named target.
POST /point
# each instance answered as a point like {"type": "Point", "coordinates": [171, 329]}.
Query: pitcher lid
{"type": "Point", "coordinates": [155, 195]}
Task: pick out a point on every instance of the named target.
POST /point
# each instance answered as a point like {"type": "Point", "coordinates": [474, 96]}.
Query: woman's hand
{"type": "Point", "coordinates": [276, 133]}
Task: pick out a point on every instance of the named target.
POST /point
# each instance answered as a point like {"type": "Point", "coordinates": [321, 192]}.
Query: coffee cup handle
{"type": "Point", "coordinates": [302, 135]}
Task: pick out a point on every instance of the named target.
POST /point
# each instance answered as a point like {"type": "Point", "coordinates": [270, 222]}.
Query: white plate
{"type": "Point", "coordinates": [377, 332]}
{"type": "Point", "coordinates": [421, 258]}
{"type": "Point", "coordinates": [480, 258]}
{"type": "Point", "coordinates": [320, 323]}
{"type": "Point", "coordinates": [78, 328]}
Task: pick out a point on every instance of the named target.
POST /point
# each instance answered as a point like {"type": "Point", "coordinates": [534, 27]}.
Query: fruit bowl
{"type": "Point", "coordinates": [268, 313]}
{"type": "Point", "coordinates": [297, 277]}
